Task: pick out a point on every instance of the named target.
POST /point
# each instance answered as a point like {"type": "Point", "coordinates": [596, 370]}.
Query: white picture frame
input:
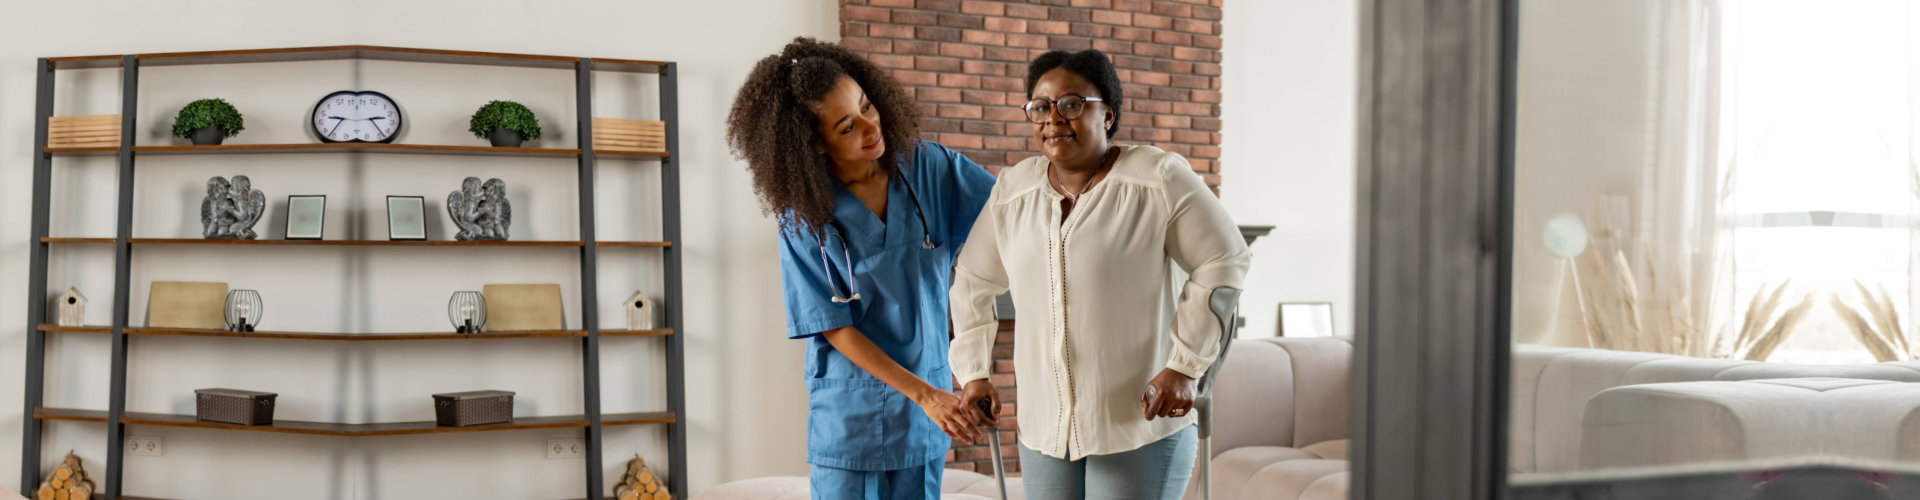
{"type": "Point", "coordinates": [406, 218]}
{"type": "Point", "coordinates": [306, 217]}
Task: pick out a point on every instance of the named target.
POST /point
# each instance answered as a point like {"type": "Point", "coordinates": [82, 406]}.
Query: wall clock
{"type": "Point", "coordinates": [349, 116]}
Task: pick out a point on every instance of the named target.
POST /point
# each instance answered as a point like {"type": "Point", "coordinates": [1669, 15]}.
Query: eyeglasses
{"type": "Point", "coordinates": [1071, 106]}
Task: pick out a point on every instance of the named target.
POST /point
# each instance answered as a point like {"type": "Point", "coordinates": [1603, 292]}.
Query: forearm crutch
{"type": "Point", "coordinates": [1225, 303]}
{"type": "Point", "coordinates": [993, 437]}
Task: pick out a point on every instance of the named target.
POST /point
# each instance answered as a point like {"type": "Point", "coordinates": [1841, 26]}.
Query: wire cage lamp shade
{"type": "Point", "coordinates": [468, 312]}
{"type": "Point", "coordinates": [244, 310]}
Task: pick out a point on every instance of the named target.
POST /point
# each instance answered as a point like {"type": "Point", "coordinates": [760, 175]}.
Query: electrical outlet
{"type": "Point", "coordinates": [146, 446]}
{"type": "Point", "coordinates": [566, 448]}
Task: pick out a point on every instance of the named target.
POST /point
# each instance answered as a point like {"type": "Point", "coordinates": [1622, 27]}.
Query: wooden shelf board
{"type": "Point", "coordinates": [85, 62]}
{"type": "Point", "coordinates": [356, 147]}
{"type": "Point", "coordinates": [81, 150]}
{"type": "Point", "coordinates": [204, 241]}
{"type": "Point", "coordinates": [357, 336]}
{"type": "Point", "coordinates": [374, 429]}
{"type": "Point", "coordinates": [633, 154]}
{"type": "Point", "coordinates": [74, 329]}
{"type": "Point", "coordinates": [633, 243]}
{"type": "Point", "coordinates": [76, 240]}
{"type": "Point", "coordinates": [637, 333]}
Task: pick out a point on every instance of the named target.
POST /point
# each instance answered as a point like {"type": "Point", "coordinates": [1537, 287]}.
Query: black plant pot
{"type": "Point", "coordinates": [503, 137]}
{"type": "Point", "coordinates": [207, 136]}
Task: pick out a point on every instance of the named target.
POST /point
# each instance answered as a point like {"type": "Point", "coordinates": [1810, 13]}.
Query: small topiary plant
{"type": "Point", "coordinates": [208, 113]}
{"type": "Point", "coordinates": [504, 114]}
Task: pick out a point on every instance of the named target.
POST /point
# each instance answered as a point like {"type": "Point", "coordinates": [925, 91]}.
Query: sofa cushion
{"type": "Point", "coordinates": [1335, 449]}
{"type": "Point", "coordinates": [1287, 480]}
{"type": "Point", "coordinates": [1695, 422]}
{"type": "Point", "coordinates": [1253, 397]}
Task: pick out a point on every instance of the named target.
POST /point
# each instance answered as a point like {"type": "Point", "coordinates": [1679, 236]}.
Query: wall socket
{"type": "Point", "coordinates": [146, 446]}
{"type": "Point", "coordinates": [566, 448]}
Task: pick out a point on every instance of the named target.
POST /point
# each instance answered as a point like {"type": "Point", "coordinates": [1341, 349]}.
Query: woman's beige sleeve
{"type": "Point", "coordinates": [1203, 240]}
{"type": "Point", "coordinates": [978, 278]}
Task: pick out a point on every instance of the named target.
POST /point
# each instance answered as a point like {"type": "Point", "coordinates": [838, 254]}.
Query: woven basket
{"type": "Point", "coordinates": [234, 406]}
{"type": "Point", "coordinates": [462, 409]}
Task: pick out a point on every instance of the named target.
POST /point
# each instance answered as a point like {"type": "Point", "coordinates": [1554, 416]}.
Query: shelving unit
{"type": "Point", "coordinates": [116, 417]}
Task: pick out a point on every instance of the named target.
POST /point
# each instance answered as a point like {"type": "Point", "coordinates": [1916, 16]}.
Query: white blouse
{"type": "Point", "coordinates": [1094, 294]}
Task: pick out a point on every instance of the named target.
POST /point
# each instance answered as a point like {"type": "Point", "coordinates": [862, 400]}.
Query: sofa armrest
{"type": "Point", "coordinates": [1288, 392]}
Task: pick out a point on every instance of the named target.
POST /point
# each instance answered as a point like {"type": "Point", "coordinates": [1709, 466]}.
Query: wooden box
{"type": "Point", "coordinates": [629, 136]}
{"type": "Point", "coordinates": [83, 131]}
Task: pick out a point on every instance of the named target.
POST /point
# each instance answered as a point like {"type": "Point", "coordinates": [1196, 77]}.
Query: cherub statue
{"type": "Point", "coordinates": [497, 212]}
{"type": "Point", "coordinates": [216, 210]}
{"type": "Point", "coordinates": [248, 205]}
{"type": "Point", "coordinates": [464, 207]}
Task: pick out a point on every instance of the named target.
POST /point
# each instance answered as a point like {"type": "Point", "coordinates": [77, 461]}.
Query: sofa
{"type": "Point", "coordinates": [1280, 421]}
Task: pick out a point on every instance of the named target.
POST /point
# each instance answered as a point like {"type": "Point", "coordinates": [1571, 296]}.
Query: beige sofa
{"type": "Point", "coordinates": [1280, 421]}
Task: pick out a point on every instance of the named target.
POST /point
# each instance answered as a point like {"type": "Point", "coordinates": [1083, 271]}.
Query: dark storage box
{"type": "Point", "coordinates": [462, 409]}
{"type": "Point", "coordinates": [234, 406]}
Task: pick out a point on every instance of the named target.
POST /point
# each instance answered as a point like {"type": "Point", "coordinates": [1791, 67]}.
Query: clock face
{"type": "Point", "coordinates": [347, 116]}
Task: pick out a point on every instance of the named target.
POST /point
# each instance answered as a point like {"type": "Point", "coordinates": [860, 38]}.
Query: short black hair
{"type": "Point", "coordinates": [1090, 64]}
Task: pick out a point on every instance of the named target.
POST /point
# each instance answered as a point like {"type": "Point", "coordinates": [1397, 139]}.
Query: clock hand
{"type": "Point", "coordinates": [336, 125]}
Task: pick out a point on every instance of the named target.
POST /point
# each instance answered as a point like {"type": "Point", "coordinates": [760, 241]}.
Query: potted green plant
{"type": "Point", "coordinates": [207, 122]}
{"type": "Point", "coordinates": [505, 124]}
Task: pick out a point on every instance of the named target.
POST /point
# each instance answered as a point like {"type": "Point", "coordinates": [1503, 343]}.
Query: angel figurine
{"type": "Point", "coordinates": [248, 205]}
{"type": "Point", "coordinates": [216, 210]}
{"type": "Point", "coordinates": [463, 206]}
{"type": "Point", "coordinates": [496, 210]}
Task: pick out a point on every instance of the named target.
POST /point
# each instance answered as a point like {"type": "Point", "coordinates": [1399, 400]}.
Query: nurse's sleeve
{"type": "Point", "coordinates": [808, 290]}
{"type": "Point", "coordinates": [1202, 239]}
{"type": "Point", "coordinates": [978, 277]}
{"type": "Point", "coordinates": [967, 190]}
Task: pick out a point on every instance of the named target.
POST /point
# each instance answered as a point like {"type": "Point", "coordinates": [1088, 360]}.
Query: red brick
{"type": "Point", "coordinates": [1179, 149]}
{"type": "Point", "coordinates": [863, 44]}
{"type": "Point", "coordinates": [1135, 120]}
{"type": "Point", "coordinates": [980, 68]}
{"type": "Point", "coordinates": [1132, 34]}
{"type": "Point", "coordinates": [1112, 17]}
{"type": "Point", "coordinates": [915, 77]}
{"type": "Point", "coordinates": [892, 61]}
{"type": "Point", "coordinates": [1092, 4]}
{"type": "Point", "coordinates": [1201, 165]}
{"type": "Point", "coordinates": [1022, 129]}
{"type": "Point", "coordinates": [1191, 82]}
{"type": "Point", "coordinates": [853, 29]}
{"type": "Point", "coordinates": [914, 18]}
{"type": "Point", "coordinates": [1172, 9]}
{"type": "Point", "coordinates": [1159, 135]}
{"type": "Point", "coordinates": [890, 31]}
{"type": "Point", "coordinates": [1001, 366]}
{"type": "Point", "coordinates": [936, 64]}
{"type": "Point", "coordinates": [1194, 27]}
{"type": "Point", "coordinates": [1113, 46]}
{"type": "Point", "coordinates": [1006, 114]}
{"type": "Point", "coordinates": [1012, 159]}
{"type": "Point", "coordinates": [1047, 27]}
{"type": "Point", "coordinates": [960, 50]}
{"type": "Point", "coordinates": [1206, 69]}
{"type": "Point", "coordinates": [1192, 54]}
{"type": "Point", "coordinates": [937, 5]}
{"type": "Point", "coordinates": [1152, 50]}
{"type": "Point", "coordinates": [937, 34]}
{"type": "Point", "coordinates": [926, 108]}
{"type": "Point", "coordinates": [1207, 13]}
{"type": "Point", "coordinates": [1137, 91]}
{"type": "Point", "coordinates": [960, 141]}
{"type": "Point", "coordinates": [1148, 21]}
{"type": "Point", "coordinates": [1070, 15]}
{"type": "Point", "coordinates": [1149, 78]}
{"type": "Point", "coordinates": [1003, 143]}
{"type": "Point", "coordinates": [1027, 11]}
{"type": "Point", "coordinates": [1207, 42]}
{"type": "Point", "coordinates": [1005, 24]}
{"type": "Point", "coordinates": [1069, 43]}
{"type": "Point", "coordinates": [983, 97]}
{"type": "Point", "coordinates": [1027, 41]}
{"type": "Point", "coordinates": [908, 4]}
{"type": "Point", "coordinates": [939, 125]}
{"type": "Point", "coordinates": [980, 157]}
{"type": "Point", "coordinates": [1215, 140]}
{"type": "Point", "coordinates": [984, 37]}
{"type": "Point", "coordinates": [1206, 152]}
{"type": "Point", "coordinates": [1193, 108]}
{"type": "Point", "coordinates": [983, 8]}
{"type": "Point", "coordinates": [959, 111]}
{"type": "Point", "coordinates": [1176, 67]}
{"type": "Point", "coordinates": [1172, 38]}
{"type": "Point", "coordinates": [983, 128]}
{"type": "Point", "coordinates": [1212, 180]}
{"type": "Point", "coordinates": [1206, 96]}
{"type": "Point", "coordinates": [868, 14]}
{"type": "Point", "coordinates": [1133, 5]}
{"type": "Point", "coordinates": [1168, 94]}
{"type": "Point", "coordinates": [915, 47]}
{"type": "Point", "coordinates": [937, 95]}
{"type": "Point", "coordinates": [1193, 136]}
{"type": "Point", "coordinates": [1091, 30]}
{"type": "Point", "coordinates": [1009, 54]}
{"type": "Point", "coordinates": [963, 21]}
{"type": "Point", "coordinates": [1209, 124]}
{"type": "Point", "coordinates": [1003, 84]}
{"type": "Point", "coordinates": [950, 80]}
{"type": "Point", "coordinates": [1150, 106]}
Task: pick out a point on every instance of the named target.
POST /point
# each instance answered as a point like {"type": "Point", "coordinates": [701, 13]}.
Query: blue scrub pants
{"type": "Point", "coordinates": [1159, 470]}
{"type": "Point", "coordinates": [912, 483]}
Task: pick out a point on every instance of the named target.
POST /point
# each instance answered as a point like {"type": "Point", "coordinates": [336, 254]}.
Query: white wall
{"type": "Point", "coordinates": [746, 407]}
{"type": "Point", "coordinates": [1287, 150]}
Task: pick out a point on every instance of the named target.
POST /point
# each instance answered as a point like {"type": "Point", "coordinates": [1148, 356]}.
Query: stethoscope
{"type": "Point", "coordinates": [926, 243]}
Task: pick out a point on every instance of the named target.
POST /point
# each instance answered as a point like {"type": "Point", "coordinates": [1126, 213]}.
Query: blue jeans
{"type": "Point", "coordinates": [1157, 471]}
{"type": "Point", "coordinates": [912, 483]}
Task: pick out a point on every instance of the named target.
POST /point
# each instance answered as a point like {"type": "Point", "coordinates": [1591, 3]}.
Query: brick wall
{"type": "Point", "coordinates": [966, 63]}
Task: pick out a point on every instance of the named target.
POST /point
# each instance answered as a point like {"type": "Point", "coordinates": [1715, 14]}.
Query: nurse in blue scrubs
{"type": "Point", "coordinates": [870, 221]}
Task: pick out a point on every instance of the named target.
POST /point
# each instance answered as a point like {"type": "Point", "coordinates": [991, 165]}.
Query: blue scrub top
{"type": "Point", "coordinates": [854, 420]}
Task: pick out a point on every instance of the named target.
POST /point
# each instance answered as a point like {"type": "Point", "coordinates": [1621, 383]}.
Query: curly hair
{"type": "Point", "coordinates": [772, 127]}
{"type": "Point", "coordinates": [1091, 64]}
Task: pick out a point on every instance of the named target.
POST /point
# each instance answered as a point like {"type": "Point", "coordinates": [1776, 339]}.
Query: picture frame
{"type": "Point", "coordinates": [1304, 319]}
{"type": "Point", "coordinates": [406, 218]}
{"type": "Point", "coordinates": [306, 216]}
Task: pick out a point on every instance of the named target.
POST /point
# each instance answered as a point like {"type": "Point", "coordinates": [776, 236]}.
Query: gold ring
{"type": "Point", "coordinates": [1179, 413]}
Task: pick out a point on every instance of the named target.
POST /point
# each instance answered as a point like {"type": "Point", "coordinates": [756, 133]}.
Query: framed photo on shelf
{"type": "Point", "coordinates": [406, 218]}
{"type": "Point", "coordinates": [1305, 319]}
{"type": "Point", "coordinates": [306, 216]}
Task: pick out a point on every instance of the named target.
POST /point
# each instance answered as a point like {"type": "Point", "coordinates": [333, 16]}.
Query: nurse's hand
{"type": "Point", "coordinates": [945, 409]}
{"type": "Point", "coordinates": [1169, 394]}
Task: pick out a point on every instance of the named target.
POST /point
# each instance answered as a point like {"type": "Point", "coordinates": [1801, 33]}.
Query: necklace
{"type": "Point", "coordinates": [1073, 197]}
